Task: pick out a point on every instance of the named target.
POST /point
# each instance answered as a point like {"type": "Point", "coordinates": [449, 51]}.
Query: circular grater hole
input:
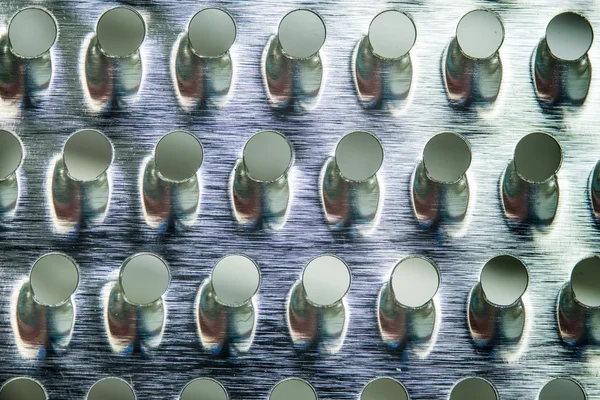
{"type": "Point", "coordinates": [585, 282]}
{"type": "Point", "coordinates": [480, 34]}
{"type": "Point", "coordinates": [446, 157]}
{"type": "Point", "coordinates": [120, 31]}
{"type": "Point", "coordinates": [473, 389]}
{"type": "Point", "coordinates": [326, 280]}
{"type": "Point", "coordinates": [414, 281]}
{"type": "Point", "coordinates": [54, 278]}
{"type": "Point", "coordinates": [178, 156]}
{"type": "Point", "coordinates": [384, 389]}
{"type": "Point", "coordinates": [111, 388]}
{"type": "Point", "coordinates": [301, 33]}
{"type": "Point", "coordinates": [23, 388]}
{"type": "Point", "coordinates": [211, 32]}
{"type": "Point", "coordinates": [392, 34]}
{"type": "Point", "coordinates": [11, 154]}
{"type": "Point", "coordinates": [359, 156]}
{"type": "Point", "coordinates": [562, 389]}
{"type": "Point", "coordinates": [32, 32]}
{"type": "Point", "coordinates": [538, 157]}
{"type": "Point", "coordinates": [87, 155]}
{"type": "Point", "coordinates": [235, 280]}
{"type": "Point", "coordinates": [144, 278]}
{"type": "Point", "coordinates": [268, 155]}
{"type": "Point", "coordinates": [569, 36]}
{"type": "Point", "coordinates": [293, 389]}
{"type": "Point", "coordinates": [504, 279]}
{"type": "Point", "coordinates": [204, 389]}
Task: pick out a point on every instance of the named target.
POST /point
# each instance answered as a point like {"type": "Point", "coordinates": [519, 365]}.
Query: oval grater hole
{"type": "Point", "coordinates": [23, 388]}
{"type": "Point", "coordinates": [326, 280]}
{"type": "Point", "coordinates": [585, 282]}
{"type": "Point", "coordinates": [293, 389]}
{"type": "Point", "coordinates": [111, 388]}
{"type": "Point", "coordinates": [267, 156]}
{"type": "Point", "coordinates": [120, 31]}
{"type": "Point", "coordinates": [211, 32]}
{"type": "Point", "coordinates": [11, 154]}
{"type": "Point", "coordinates": [204, 389]}
{"type": "Point", "coordinates": [504, 279]}
{"type": "Point", "coordinates": [54, 278]}
{"type": "Point", "coordinates": [392, 34]}
{"type": "Point", "coordinates": [562, 389]}
{"type": "Point", "coordinates": [480, 34]}
{"type": "Point", "coordinates": [414, 281]}
{"type": "Point", "coordinates": [301, 33]}
{"type": "Point", "coordinates": [538, 157]}
{"type": "Point", "coordinates": [569, 36]}
{"type": "Point", "coordinates": [178, 156]}
{"type": "Point", "coordinates": [359, 156]}
{"type": "Point", "coordinates": [235, 280]}
{"type": "Point", "coordinates": [473, 389]}
{"type": "Point", "coordinates": [87, 155]}
{"type": "Point", "coordinates": [384, 389]}
{"type": "Point", "coordinates": [144, 278]}
{"type": "Point", "coordinates": [32, 32]}
{"type": "Point", "coordinates": [446, 157]}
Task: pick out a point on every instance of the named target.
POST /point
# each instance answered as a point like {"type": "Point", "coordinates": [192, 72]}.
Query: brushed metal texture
{"type": "Point", "coordinates": [135, 126]}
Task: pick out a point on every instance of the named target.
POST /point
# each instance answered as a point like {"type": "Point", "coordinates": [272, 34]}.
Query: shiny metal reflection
{"type": "Point", "coordinates": [578, 305]}
{"type": "Point", "coordinates": [25, 57]}
{"type": "Point", "coordinates": [79, 193]}
{"type": "Point", "coordinates": [496, 311]}
{"type": "Point", "coordinates": [203, 69]}
{"type": "Point", "coordinates": [350, 190]}
{"type": "Point", "coordinates": [111, 388]}
{"type": "Point", "coordinates": [170, 182]}
{"type": "Point", "coordinates": [471, 65]}
{"type": "Point", "coordinates": [226, 306]}
{"type": "Point", "coordinates": [529, 185]}
{"type": "Point", "coordinates": [260, 186]}
{"type": "Point", "coordinates": [440, 189]}
{"type": "Point", "coordinates": [292, 66]}
{"type": "Point", "coordinates": [23, 81]}
{"type": "Point", "coordinates": [134, 307]}
{"type": "Point", "coordinates": [384, 389]}
{"type": "Point", "coordinates": [201, 81]}
{"type": "Point", "coordinates": [561, 68]}
{"type": "Point", "coordinates": [203, 389]}
{"type": "Point", "coordinates": [474, 388]}
{"type": "Point", "coordinates": [224, 329]}
{"type": "Point", "coordinates": [40, 330]}
{"type": "Point", "coordinates": [11, 157]}
{"type": "Point", "coordinates": [293, 389]}
{"type": "Point", "coordinates": [132, 329]}
{"type": "Point", "coordinates": [594, 190]}
{"type": "Point", "coordinates": [23, 388]}
{"type": "Point", "coordinates": [167, 205]}
{"type": "Point", "coordinates": [317, 313]}
{"type": "Point", "coordinates": [562, 388]}
{"type": "Point", "coordinates": [382, 66]}
{"type": "Point", "coordinates": [110, 82]}
{"type": "Point", "coordinates": [407, 312]}
{"type": "Point", "coordinates": [112, 69]}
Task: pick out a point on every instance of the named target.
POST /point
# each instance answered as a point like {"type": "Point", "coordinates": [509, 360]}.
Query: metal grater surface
{"type": "Point", "coordinates": [136, 125]}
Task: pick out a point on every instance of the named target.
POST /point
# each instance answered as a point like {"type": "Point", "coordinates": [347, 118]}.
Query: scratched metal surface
{"type": "Point", "coordinates": [281, 254]}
